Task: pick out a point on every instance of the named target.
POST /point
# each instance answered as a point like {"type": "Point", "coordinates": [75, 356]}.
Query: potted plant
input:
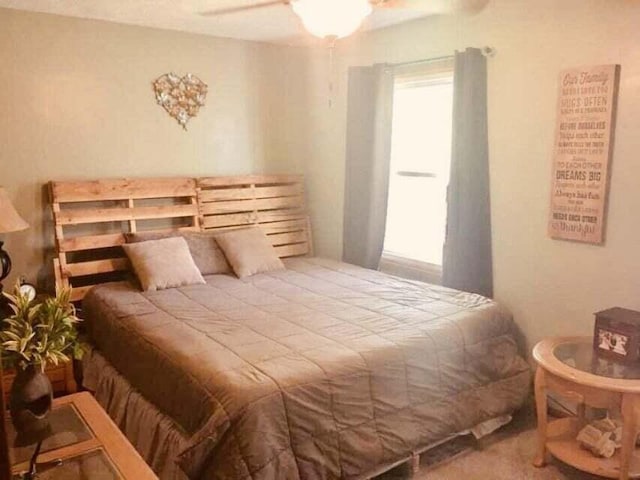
{"type": "Point", "coordinates": [35, 335]}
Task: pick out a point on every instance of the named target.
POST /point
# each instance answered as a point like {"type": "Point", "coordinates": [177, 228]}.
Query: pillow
{"type": "Point", "coordinates": [203, 247]}
{"type": "Point", "coordinates": [163, 263]}
{"type": "Point", "coordinates": [249, 251]}
{"type": "Point", "coordinates": [206, 253]}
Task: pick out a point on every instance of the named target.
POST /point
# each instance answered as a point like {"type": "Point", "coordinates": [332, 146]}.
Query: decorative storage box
{"type": "Point", "coordinates": [617, 334]}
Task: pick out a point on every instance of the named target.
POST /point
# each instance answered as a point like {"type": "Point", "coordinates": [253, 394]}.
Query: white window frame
{"type": "Point", "coordinates": [410, 76]}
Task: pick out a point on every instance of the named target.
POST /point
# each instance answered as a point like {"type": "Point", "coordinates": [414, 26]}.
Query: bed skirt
{"type": "Point", "coordinates": [154, 435]}
{"type": "Point", "coordinates": [159, 440]}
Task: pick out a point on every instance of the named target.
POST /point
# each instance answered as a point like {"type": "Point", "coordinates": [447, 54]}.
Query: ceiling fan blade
{"type": "Point", "coordinates": [243, 8]}
{"type": "Point", "coordinates": [434, 6]}
{"type": "Point", "coordinates": [407, 4]}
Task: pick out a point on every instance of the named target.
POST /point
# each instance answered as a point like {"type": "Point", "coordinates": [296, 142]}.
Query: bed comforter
{"type": "Point", "coordinates": [323, 370]}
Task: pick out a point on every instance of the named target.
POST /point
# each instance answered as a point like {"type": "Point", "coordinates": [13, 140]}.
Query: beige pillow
{"type": "Point", "coordinates": [164, 263]}
{"type": "Point", "coordinates": [203, 247]}
{"type": "Point", "coordinates": [249, 251]}
{"type": "Point", "coordinates": [206, 253]}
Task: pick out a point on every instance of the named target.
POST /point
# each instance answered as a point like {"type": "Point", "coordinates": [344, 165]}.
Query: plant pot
{"type": "Point", "coordinates": [30, 404]}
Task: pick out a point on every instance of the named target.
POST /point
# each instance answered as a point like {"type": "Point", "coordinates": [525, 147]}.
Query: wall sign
{"type": "Point", "coordinates": [585, 129]}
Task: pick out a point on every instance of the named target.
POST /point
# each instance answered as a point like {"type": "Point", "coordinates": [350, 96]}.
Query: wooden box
{"type": "Point", "coordinates": [617, 334]}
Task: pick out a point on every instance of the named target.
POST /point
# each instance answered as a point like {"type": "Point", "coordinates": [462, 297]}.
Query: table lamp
{"type": "Point", "coordinates": [10, 221]}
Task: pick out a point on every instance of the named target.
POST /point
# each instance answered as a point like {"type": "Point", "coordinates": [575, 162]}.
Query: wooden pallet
{"type": "Point", "coordinates": [91, 218]}
{"type": "Point", "coordinates": [273, 202]}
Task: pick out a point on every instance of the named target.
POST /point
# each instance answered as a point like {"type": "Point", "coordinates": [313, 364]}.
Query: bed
{"type": "Point", "coordinates": [321, 370]}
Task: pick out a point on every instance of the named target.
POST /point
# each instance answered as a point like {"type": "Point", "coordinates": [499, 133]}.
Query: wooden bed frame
{"type": "Point", "coordinates": [91, 218]}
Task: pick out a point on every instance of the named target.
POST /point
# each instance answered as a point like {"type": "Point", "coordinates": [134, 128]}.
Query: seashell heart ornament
{"type": "Point", "coordinates": [181, 97]}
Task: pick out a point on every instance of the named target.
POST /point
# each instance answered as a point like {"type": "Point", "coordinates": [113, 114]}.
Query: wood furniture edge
{"type": "Point", "coordinates": [112, 439]}
{"type": "Point", "coordinates": [543, 353]}
{"type": "Point", "coordinates": [107, 437]}
{"type": "Point", "coordinates": [5, 469]}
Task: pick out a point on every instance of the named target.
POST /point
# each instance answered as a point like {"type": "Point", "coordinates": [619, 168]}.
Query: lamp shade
{"type": "Point", "coordinates": [10, 221]}
{"type": "Point", "coordinates": [332, 18]}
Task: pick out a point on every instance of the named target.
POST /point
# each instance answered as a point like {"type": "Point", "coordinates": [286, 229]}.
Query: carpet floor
{"type": "Point", "coordinates": [505, 455]}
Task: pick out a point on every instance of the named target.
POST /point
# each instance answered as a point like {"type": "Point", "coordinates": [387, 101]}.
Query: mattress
{"type": "Point", "coordinates": [323, 370]}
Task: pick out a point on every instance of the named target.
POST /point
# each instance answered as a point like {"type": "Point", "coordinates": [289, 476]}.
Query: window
{"type": "Point", "coordinates": [420, 161]}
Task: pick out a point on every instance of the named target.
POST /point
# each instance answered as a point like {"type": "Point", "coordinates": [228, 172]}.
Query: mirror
{"type": "Point", "coordinates": [5, 469]}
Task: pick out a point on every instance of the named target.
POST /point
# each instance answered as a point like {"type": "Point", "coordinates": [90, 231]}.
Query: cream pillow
{"type": "Point", "coordinates": [249, 252]}
{"type": "Point", "coordinates": [203, 247]}
{"type": "Point", "coordinates": [164, 263]}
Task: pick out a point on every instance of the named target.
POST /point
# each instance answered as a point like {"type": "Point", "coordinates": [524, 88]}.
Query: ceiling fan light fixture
{"type": "Point", "coordinates": [332, 18]}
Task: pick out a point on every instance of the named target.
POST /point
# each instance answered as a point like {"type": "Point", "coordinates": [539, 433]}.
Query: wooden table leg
{"type": "Point", "coordinates": [629, 433]}
{"type": "Point", "coordinates": [69, 378]}
{"type": "Point", "coordinates": [541, 411]}
{"type": "Point", "coordinates": [5, 471]}
{"type": "Point", "coordinates": [582, 414]}
{"type": "Point", "coordinates": [415, 464]}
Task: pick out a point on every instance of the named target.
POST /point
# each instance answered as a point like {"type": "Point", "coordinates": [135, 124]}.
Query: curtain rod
{"type": "Point", "coordinates": [486, 51]}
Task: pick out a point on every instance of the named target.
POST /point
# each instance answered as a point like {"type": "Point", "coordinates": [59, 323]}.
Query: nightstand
{"type": "Point", "coordinates": [568, 366]}
{"type": "Point", "coordinates": [61, 376]}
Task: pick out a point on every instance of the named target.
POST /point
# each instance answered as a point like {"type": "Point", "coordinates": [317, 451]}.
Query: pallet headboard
{"type": "Point", "coordinates": [274, 202]}
{"type": "Point", "coordinates": [91, 218]}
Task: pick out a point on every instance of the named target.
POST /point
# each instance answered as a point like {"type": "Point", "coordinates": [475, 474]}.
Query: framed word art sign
{"type": "Point", "coordinates": [583, 148]}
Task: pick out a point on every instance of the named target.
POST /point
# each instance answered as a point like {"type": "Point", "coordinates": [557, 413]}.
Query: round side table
{"type": "Point", "coordinates": [569, 367]}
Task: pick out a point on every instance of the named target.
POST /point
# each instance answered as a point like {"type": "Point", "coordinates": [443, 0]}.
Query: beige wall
{"type": "Point", "coordinates": [552, 287]}
{"type": "Point", "coordinates": [76, 102]}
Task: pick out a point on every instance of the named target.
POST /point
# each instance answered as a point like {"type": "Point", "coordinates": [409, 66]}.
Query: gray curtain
{"type": "Point", "coordinates": [369, 113]}
{"type": "Point", "coordinates": [467, 263]}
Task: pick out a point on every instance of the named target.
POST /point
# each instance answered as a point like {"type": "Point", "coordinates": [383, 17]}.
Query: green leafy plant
{"type": "Point", "coordinates": [40, 333]}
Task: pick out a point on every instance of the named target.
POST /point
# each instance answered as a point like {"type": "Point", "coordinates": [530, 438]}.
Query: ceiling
{"type": "Point", "coordinates": [276, 24]}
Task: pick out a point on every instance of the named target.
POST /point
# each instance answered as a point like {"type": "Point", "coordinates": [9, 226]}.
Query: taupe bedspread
{"type": "Point", "coordinates": [324, 370]}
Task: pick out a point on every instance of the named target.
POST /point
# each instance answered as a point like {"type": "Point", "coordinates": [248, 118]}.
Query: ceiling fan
{"type": "Point", "coordinates": [340, 18]}
{"type": "Point", "coordinates": [415, 4]}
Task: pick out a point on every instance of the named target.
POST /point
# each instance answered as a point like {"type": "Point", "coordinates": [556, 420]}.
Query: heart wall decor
{"type": "Point", "coordinates": [180, 97]}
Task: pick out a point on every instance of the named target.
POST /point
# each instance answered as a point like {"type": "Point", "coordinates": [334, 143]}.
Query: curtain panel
{"type": "Point", "coordinates": [467, 261]}
{"type": "Point", "coordinates": [369, 115]}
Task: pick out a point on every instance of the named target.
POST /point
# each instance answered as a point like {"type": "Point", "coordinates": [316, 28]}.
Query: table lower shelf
{"type": "Point", "coordinates": [562, 444]}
